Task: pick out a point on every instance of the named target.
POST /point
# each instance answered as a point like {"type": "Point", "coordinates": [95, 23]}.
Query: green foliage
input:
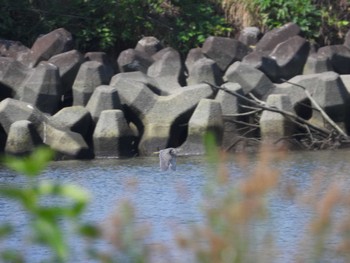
{"type": "Point", "coordinates": [335, 21]}
{"type": "Point", "coordinates": [45, 227]}
{"type": "Point", "coordinates": [197, 20]}
{"type": "Point", "coordinates": [276, 13]}
{"type": "Point", "coordinates": [108, 24]}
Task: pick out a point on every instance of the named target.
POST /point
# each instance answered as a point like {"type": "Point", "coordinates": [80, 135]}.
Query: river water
{"type": "Point", "coordinates": [170, 200]}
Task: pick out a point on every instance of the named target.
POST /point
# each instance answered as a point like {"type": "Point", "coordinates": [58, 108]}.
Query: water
{"type": "Point", "coordinates": [167, 201]}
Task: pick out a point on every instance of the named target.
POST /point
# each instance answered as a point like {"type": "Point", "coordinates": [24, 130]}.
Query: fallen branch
{"type": "Point", "coordinates": [300, 121]}
{"type": "Point", "coordinates": [323, 113]}
{"type": "Point", "coordinates": [314, 137]}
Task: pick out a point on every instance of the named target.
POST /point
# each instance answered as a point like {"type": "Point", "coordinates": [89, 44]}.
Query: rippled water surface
{"type": "Point", "coordinates": [168, 200]}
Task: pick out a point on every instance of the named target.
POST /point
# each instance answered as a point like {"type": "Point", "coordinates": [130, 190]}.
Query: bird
{"type": "Point", "coordinates": [167, 159]}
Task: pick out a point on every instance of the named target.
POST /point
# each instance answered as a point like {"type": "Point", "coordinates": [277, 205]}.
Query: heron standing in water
{"type": "Point", "coordinates": [167, 159]}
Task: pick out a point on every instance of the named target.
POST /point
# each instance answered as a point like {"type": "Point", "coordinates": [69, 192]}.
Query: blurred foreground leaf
{"type": "Point", "coordinates": [31, 165]}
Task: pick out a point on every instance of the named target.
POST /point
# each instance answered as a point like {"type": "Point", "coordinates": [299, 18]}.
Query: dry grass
{"type": "Point", "coordinates": [240, 13]}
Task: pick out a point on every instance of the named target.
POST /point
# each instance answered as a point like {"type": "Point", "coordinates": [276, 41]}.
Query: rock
{"type": "Point", "coordinates": [347, 39]}
{"type": "Point", "coordinates": [12, 75]}
{"type": "Point", "coordinates": [112, 136]}
{"type": "Point", "coordinates": [138, 76]}
{"type": "Point", "coordinates": [149, 45]}
{"type": "Point", "coordinates": [46, 46]}
{"type": "Point", "coordinates": [339, 57]}
{"type": "Point", "coordinates": [13, 49]}
{"type": "Point", "coordinates": [204, 70]}
{"type": "Point", "coordinates": [250, 79]}
{"type": "Point", "coordinates": [326, 88]}
{"type": "Point", "coordinates": [192, 56]}
{"type": "Point", "coordinates": [102, 58]}
{"type": "Point", "coordinates": [134, 60]}
{"type": "Point", "coordinates": [276, 36]}
{"type": "Point", "coordinates": [90, 75]}
{"type": "Point", "coordinates": [273, 125]}
{"type": "Point", "coordinates": [224, 51]}
{"type": "Point", "coordinates": [12, 110]}
{"type": "Point", "coordinates": [167, 70]}
{"type": "Point", "coordinates": [207, 118]}
{"type": "Point", "coordinates": [104, 98]}
{"type": "Point", "coordinates": [317, 64]}
{"type": "Point", "coordinates": [249, 36]}
{"type": "Point", "coordinates": [264, 63]}
{"type": "Point", "coordinates": [291, 56]}
{"type": "Point", "coordinates": [43, 88]}
{"type": "Point", "coordinates": [147, 109]}
{"type": "Point", "coordinates": [68, 64]}
{"type": "Point", "coordinates": [230, 105]}
{"type": "Point", "coordinates": [66, 143]}
{"type": "Point", "coordinates": [75, 118]}
{"type": "Point", "coordinates": [22, 138]}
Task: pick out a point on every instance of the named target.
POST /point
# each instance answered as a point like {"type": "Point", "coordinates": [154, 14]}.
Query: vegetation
{"type": "Point", "coordinates": [322, 21]}
{"type": "Point", "coordinates": [114, 25]}
{"type": "Point", "coordinates": [230, 232]}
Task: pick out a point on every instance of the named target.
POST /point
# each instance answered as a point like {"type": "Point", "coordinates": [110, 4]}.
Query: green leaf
{"type": "Point", "coordinates": [48, 232]}
{"type": "Point", "coordinates": [89, 231]}
{"type": "Point", "coordinates": [31, 165]}
{"type": "Point", "coordinates": [5, 230]}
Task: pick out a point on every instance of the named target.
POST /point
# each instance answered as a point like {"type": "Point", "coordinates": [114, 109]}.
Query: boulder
{"type": "Point", "coordinates": [75, 118]}
{"type": "Point", "coordinates": [204, 70]}
{"type": "Point", "coordinates": [276, 36]}
{"type": "Point", "coordinates": [339, 57]}
{"type": "Point", "coordinates": [102, 58]}
{"type": "Point", "coordinates": [264, 63]}
{"type": "Point", "coordinates": [251, 80]}
{"type": "Point", "coordinates": [104, 98]}
{"type": "Point", "coordinates": [230, 106]}
{"type": "Point", "coordinates": [138, 76]}
{"type": "Point", "coordinates": [12, 75]}
{"type": "Point", "coordinates": [192, 56]}
{"type": "Point", "coordinates": [113, 137]}
{"type": "Point", "coordinates": [167, 70]}
{"type": "Point", "coordinates": [224, 51]}
{"type": "Point", "coordinates": [149, 45]}
{"type": "Point", "coordinates": [347, 39]}
{"type": "Point", "coordinates": [291, 56]}
{"type": "Point", "coordinates": [317, 64]}
{"type": "Point", "coordinates": [207, 118]}
{"type": "Point", "coordinates": [13, 49]}
{"type": "Point", "coordinates": [147, 109]}
{"type": "Point", "coordinates": [46, 46]}
{"type": "Point", "coordinates": [134, 60]}
{"type": "Point", "coordinates": [22, 138]}
{"type": "Point", "coordinates": [273, 125]}
{"type": "Point", "coordinates": [42, 88]}
{"type": "Point", "coordinates": [327, 89]}
{"type": "Point", "coordinates": [249, 36]}
{"type": "Point", "coordinates": [68, 64]}
{"type": "Point", "coordinates": [68, 144]}
{"type": "Point", "coordinates": [12, 110]}
{"type": "Point", "coordinates": [90, 75]}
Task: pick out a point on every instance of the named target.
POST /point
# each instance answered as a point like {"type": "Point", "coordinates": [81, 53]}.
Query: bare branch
{"type": "Point", "coordinates": [324, 114]}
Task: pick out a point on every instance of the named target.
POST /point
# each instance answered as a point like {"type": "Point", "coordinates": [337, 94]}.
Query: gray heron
{"type": "Point", "coordinates": [167, 159]}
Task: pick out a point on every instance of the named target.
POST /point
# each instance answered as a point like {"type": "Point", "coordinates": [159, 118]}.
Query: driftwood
{"type": "Point", "coordinates": [310, 136]}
